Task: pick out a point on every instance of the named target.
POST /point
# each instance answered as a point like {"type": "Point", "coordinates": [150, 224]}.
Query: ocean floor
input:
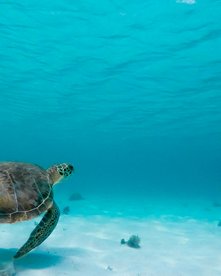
{"type": "Point", "coordinates": [178, 237]}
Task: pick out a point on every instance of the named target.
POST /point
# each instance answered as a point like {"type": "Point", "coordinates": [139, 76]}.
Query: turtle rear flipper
{"type": "Point", "coordinates": [41, 232]}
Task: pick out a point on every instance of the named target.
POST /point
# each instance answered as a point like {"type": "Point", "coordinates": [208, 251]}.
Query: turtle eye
{"type": "Point", "coordinates": [60, 170]}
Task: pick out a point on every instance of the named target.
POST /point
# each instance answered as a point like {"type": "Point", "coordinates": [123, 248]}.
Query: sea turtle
{"type": "Point", "coordinates": [25, 193]}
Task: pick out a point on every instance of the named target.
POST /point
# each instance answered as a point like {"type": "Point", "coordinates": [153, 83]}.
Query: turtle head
{"type": "Point", "coordinates": [60, 171]}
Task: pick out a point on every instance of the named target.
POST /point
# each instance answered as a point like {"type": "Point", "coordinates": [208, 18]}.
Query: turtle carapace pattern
{"type": "Point", "coordinates": [25, 193]}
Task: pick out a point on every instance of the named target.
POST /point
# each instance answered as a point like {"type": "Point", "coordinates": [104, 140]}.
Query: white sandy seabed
{"type": "Point", "coordinates": [88, 243]}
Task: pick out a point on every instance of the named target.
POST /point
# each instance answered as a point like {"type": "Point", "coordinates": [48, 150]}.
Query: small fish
{"type": "Point", "coordinates": [75, 196]}
{"type": "Point", "coordinates": [134, 241]}
{"type": "Point", "coordinates": [66, 210]}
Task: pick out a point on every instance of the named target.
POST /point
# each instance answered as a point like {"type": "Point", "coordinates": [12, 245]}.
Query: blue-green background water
{"type": "Point", "coordinates": [127, 91]}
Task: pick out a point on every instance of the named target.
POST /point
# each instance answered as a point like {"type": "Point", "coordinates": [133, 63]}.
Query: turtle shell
{"type": "Point", "coordinates": [25, 191]}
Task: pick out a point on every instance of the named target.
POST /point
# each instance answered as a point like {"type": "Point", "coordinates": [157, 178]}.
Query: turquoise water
{"type": "Point", "coordinates": [127, 91]}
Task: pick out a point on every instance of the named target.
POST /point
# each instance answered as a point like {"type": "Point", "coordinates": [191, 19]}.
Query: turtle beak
{"type": "Point", "coordinates": [71, 168]}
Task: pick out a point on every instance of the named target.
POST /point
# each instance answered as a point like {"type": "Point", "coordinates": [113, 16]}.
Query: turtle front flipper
{"type": "Point", "coordinates": [41, 232]}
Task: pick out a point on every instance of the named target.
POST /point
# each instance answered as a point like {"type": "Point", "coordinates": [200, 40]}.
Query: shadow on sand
{"type": "Point", "coordinates": [40, 259]}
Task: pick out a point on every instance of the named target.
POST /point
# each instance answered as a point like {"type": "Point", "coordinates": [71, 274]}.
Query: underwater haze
{"type": "Point", "coordinates": [128, 91]}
